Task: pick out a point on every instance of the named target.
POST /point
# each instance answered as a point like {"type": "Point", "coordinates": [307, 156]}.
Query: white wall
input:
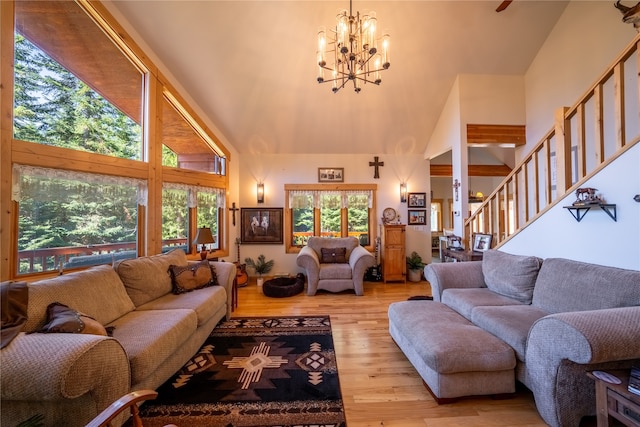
{"type": "Point", "coordinates": [596, 238]}
{"type": "Point", "coordinates": [276, 170]}
{"type": "Point", "coordinates": [592, 35]}
{"type": "Point", "coordinates": [588, 37]}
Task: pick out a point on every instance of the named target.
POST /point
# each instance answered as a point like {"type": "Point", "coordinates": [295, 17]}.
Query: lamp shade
{"type": "Point", "coordinates": [203, 236]}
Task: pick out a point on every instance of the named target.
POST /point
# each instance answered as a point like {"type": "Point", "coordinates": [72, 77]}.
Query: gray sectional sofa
{"type": "Point", "coordinates": [544, 323]}
{"type": "Point", "coordinates": [70, 377]}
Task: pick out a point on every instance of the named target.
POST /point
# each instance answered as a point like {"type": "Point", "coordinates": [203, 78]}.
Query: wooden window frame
{"type": "Point", "coordinates": [288, 212]}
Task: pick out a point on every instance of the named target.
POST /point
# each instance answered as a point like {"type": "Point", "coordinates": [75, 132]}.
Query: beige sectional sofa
{"type": "Point", "coordinates": [544, 323]}
{"type": "Point", "coordinates": [70, 377]}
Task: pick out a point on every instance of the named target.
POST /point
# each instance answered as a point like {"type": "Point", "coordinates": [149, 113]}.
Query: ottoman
{"type": "Point", "coordinates": [282, 287]}
{"type": "Point", "coordinates": [454, 357]}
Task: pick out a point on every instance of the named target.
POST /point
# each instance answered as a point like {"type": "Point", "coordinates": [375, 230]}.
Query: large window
{"type": "Point", "coordinates": [88, 137]}
{"type": "Point", "coordinates": [70, 220]}
{"type": "Point", "coordinates": [327, 211]}
{"type": "Point", "coordinates": [179, 201]}
{"type": "Point", "coordinates": [88, 98]}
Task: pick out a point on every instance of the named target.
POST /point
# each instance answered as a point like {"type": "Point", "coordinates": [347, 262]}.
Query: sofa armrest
{"type": "Point", "coordinates": [560, 345]}
{"type": "Point", "coordinates": [56, 366]}
{"type": "Point", "coordinates": [448, 275]}
{"type": "Point", "coordinates": [226, 272]}
{"type": "Point", "coordinates": [308, 259]}
{"type": "Point", "coordinates": [587, 337]}
{"type": "Point", "coordinates": [359, 261]}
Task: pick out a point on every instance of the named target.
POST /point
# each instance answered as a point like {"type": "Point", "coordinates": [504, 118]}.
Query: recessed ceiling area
{"type": "Point", "coordinates": [251, 66]}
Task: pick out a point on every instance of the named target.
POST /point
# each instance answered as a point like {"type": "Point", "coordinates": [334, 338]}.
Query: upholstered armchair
{"type": "Point", "coordinates": [334, 264]}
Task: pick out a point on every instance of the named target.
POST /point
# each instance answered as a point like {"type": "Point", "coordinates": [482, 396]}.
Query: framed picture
{"type": "Point", "coordinates": [417, 217]}
{"type": "Point", "coordinates": [261, 225]}
{"type": "Point", "coordinates": [417, 200]}
{"type": "Point", "coordinates": [330, 174]}
{"type": "Point", "coordinates": [481, 242]}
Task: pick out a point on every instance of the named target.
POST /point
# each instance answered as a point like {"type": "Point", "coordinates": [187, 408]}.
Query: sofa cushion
{"type": "Point", "coordinates": [63, 319]}
{"type": "Point", "coordinates": [567, 285]}
{"type": "Point", "coordinates": [464, 300]}
{"type": "Point", "coordinates": [14, 298]}
{"type": "Point", "coordinates": [317, 243]}
{"type": "Point", "coordinates": [98, 292]}
{"type": "Point", "coordinates": [513, 276]}
{"type": "Point", "coordinates": [148, 278]}
{"type": "Point", "coordinates": [509, 323]}
{"type": "Point", "coordinates": [150, 336]}
{"type": "Point", "coordinates": [187, 278]}
{"type": "Point", "coordinates": [206, 302]}
{"type": "Point", "coordinates": [334, 271]}
{"type": "Point", "coordinates": [333, 255]}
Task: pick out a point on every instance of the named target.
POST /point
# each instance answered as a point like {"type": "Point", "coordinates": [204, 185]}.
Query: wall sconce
{"type": "Point", "coordinates": [260, 192]}
{"type": "Point", "coordinates": [203, 237]}
{"type": "Point", "coordinates": [403, 192]}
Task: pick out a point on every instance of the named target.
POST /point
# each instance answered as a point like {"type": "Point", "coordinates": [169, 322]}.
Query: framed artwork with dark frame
{"type": "Point", "coordinates": [330, 174]}
{"type": "Point", "coordinates": [481, 242]}
{"type": "Point", "coordinates": [417, 217]}
{"type": "Point", "coordinates": [417, 200]}
{"type": "Point", "coordinates": [261, 225]}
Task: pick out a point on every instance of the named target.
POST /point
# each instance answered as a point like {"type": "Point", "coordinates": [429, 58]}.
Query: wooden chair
{"type": "Point", "coordinates": [131, 401]}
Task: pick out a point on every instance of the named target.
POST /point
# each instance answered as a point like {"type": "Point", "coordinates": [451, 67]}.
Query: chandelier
{"type": "Point", "coordinates": [355, 54]}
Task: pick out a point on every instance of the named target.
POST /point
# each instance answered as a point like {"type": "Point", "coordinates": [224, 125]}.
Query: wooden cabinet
{"type": "Point", "coordinates": [394, 261]}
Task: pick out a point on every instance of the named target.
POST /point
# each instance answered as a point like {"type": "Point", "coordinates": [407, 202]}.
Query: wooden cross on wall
{"type": "Point", "coordinates": [233, 210]}
{"type": "Point", "coordinates": [456, 185]}
{"type": "Point", "coordinates": [376, 164]}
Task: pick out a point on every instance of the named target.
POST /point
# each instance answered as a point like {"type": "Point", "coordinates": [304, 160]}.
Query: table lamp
{"type": "Point", "coordinates": [203, 237]}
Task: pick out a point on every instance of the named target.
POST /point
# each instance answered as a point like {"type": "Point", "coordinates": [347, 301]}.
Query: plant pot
{"type": "Point", "coordinates": [414, 275]}
{"type": "Point", "coordinates": [260, 281]}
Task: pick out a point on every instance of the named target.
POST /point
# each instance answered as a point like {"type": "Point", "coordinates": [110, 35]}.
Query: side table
{"type": "Point", "coordinates": [461, 255]}
{"type": "Point", "coordinates": [615, 401]}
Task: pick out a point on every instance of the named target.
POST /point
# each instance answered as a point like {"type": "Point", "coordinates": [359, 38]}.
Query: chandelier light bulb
{"type": "Point", "coordinates": [353, 48]}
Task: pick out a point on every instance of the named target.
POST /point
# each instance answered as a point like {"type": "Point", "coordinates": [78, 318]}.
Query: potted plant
{"type": "Point", "coordinates": [415, 266]}
{"type": "Point", "coordinates": [260, 266]}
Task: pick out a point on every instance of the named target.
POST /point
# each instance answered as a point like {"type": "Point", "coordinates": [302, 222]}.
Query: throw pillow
{"type": "Point", "coordinates": [187, 278]}
{"type": "Point", "coordinates": [14, 297]}
{"type": "Point", "coordinates": [62, 319]}
{"type": "Point", "coordinates": [510, 275]}
{"type": "Point", "coordinates": [333, 255]}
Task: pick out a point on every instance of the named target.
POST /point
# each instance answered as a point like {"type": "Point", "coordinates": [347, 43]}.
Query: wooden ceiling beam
{"type": "Point", "coordinates": [474, 170]}
{"type": "Point", "coordinates": [496, 134]}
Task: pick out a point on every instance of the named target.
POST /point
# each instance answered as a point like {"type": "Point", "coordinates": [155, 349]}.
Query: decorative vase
{"type": "Point", "coordinates": [414, 275]}
{"type": "Point", "coordinates": [260, 281]}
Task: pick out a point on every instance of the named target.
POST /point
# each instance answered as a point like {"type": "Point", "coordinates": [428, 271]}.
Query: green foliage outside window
{"type": "Point", "coordinates": [54, 107]}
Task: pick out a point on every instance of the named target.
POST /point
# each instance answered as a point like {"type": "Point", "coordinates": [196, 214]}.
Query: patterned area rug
{"type": "Point", "coordinates": [276, 371]}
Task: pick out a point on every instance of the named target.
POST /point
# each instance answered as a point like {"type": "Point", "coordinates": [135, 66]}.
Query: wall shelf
{"type": "Point", "coordinates": [579, 212]}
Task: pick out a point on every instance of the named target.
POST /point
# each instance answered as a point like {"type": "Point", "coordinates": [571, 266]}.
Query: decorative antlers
{"type": "Point", "coordinates": [630, 15]}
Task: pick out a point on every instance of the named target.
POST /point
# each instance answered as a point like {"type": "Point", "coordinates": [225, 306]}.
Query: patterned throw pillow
{"type": "Point", "coordinates": [333, 255]}
{"type": "Point", "coordinates": [187, 278]}
{"type": "Point", "coordinates": [14, 298]}
{"type": "Point", "coordinates": [62, 319]}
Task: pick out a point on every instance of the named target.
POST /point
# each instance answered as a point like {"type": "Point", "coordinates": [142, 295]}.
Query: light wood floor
{"type": "Point", "coordinates": [379, 386]}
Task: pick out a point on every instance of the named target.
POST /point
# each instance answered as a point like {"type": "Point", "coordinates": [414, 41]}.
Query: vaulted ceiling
{"type": "Point", "coordinates": [251, 66]}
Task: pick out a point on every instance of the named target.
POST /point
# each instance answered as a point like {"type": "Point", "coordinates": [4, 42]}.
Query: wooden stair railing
{"type": "Point", "coordinates": [532, 187]}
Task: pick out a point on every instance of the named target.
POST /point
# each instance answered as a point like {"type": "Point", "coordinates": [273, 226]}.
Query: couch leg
{"type": "Point", "coordinates": [439, 400]}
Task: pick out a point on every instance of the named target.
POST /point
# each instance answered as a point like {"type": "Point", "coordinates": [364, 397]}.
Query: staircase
{"type": "Point", "coordinates": [584, 139]}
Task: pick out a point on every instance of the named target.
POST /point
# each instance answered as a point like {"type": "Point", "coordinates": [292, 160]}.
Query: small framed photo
{"type": "Point", "coordinates": [261, 225]}
{"type": "Point", "coordinates": [330, 174]}
{"type": "Point", "coordinates": [417, 200]}
{"type": "Point", "coordinates": [417, 217]}
{"type": "Point", "coordinates": [481, 242]}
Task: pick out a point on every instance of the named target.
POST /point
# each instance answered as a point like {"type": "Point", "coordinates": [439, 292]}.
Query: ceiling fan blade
{"type": "Point", "coordinates": [503, 5]}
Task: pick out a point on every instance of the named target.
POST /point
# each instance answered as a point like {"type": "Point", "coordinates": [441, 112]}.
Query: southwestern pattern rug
{"type": "Point", "coordinates": [275, 371]}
